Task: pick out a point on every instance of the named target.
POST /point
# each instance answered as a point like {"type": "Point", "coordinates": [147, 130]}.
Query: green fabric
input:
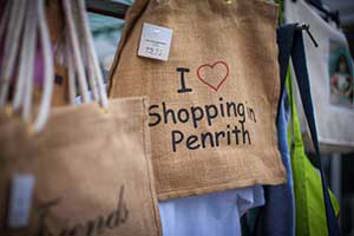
{"type": "Point", "coordinates": [310, 208]}
{"type": "Point", "coordinates": [281, 10]}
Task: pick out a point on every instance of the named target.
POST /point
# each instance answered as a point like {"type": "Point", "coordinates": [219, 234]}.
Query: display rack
{"type": "Point", "coordinates": [107, 8]}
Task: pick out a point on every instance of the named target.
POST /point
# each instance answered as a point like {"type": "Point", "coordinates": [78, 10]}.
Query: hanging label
{"type": "Point", "coordinates": [155, 42]}
{"type": "Point", "coordinates": [20, 200]}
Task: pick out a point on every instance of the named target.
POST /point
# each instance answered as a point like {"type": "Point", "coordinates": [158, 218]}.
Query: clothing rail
{"type": "Point", "coordinates": [107, 8]}
{"type": "Point", "coordinates": [118, 10]}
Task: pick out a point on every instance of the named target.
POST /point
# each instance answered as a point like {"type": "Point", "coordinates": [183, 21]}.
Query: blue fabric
{"type": "Point", "coordinates": [277, 217]}
{"type": "Point", "coordinates": [214, 214]}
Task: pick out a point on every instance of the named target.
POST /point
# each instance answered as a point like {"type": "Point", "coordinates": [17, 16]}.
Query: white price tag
{"type": "Point", "coordinates": [155, 42]}
{"type": "Point", "coordinates": [20, 201]}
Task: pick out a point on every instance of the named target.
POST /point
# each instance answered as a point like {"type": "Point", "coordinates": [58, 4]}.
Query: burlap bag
{"type": "Point", "coordinates": [92, 172]}
{"type": "Point", "coordinates": [217, 130]}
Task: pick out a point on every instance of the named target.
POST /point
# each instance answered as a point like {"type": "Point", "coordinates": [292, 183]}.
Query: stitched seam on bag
{"type": "Point", "coordinates": [219, 187]}
{"type": "Point", "coordinates": [149, 170]}
{"type": "Point", "coordinates": [268, 4]}
{"type": "Point", "coordinates": [276, 94]}
{"type": "Point", "coordinates": [131, 23]}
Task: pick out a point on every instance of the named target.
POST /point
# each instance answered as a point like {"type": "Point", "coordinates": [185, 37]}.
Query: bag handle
{"type": "Point", "coordinates": [79, 21]}
{"type": "Point", "coordinates": [93, 63]}
{"type": "Point", "coordinates": [26, 62]}
{"type": "Point", "coordinates": [71, 71]}
{"type": "Point", "coordinates": [74, 41]}
{"type": "Point", "coordinates": [5, 18]}
{"type": "Point", "coordinates": [285, 36]}
{"type": "Point", "coordinates": [34, 21]}
{"type": "Point", "coordinates": [298, 56]}
{"type": "Point", "coordinates": [46, 99]}
{"type": "Point", "coordinates": [14, 28]}
{"type": "Point", "coordinates": [95, 77]}
{"type": "Point", "coordinates": [31, 25]}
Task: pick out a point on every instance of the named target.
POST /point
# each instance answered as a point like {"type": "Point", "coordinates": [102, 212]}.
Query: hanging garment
{"type": "Point", "coordinates": [212, 114]}
{"type": "Point", "coordinates": [316, 208]}
{"type": "Point", "coordinates": [332, 79]}
{"type": "Point", "coordinates": [214, 214]}
{"type": "Point", "coordinates": [310, 211]}
{"type": "Point", "coordinates": [277, 217]}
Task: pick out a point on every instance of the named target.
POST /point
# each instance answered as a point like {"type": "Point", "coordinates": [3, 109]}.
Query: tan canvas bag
{"type": "Point", "coordinates": [92, 172]}
{"type": "Point", "coordinates": [214, 101]}
{"type": "Point", "coordinates": [88, 170]}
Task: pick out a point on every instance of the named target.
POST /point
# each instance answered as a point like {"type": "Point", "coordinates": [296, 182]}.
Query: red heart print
{"type": "Point", "coordinates": [213, 75]}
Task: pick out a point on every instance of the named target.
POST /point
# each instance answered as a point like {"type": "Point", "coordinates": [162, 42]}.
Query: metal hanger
{"type": "Point", "coordinates": [306, 27]}
{"type": "Point", "coordinates": [107, 7]}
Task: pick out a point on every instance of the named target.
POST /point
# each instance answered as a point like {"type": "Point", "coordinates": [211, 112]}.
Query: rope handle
{"type": "Point", "coordinates": [15, 23]}
{"type": "Point", "coordinates": [74, 41]}
{"type": "Point", "coordinates": [93, 63]}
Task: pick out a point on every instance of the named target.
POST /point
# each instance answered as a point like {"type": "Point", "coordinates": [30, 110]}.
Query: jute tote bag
{"type": "Point", "coordinates": [331, 71]}
{"type": "Point", "coordinates": [214, 101]}
{"type": "Point", "coordinates": [87, 171]}
{"type": "Point", "coordinates": [91, 170]}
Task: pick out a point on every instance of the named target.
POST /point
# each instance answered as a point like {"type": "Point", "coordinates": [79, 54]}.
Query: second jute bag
{"type": "Point", "coordinates": [78, 170]}
{"type": "Point", "coordinates": [87, 173]}
{"type": "Point", "coordinates": [214, 101]}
